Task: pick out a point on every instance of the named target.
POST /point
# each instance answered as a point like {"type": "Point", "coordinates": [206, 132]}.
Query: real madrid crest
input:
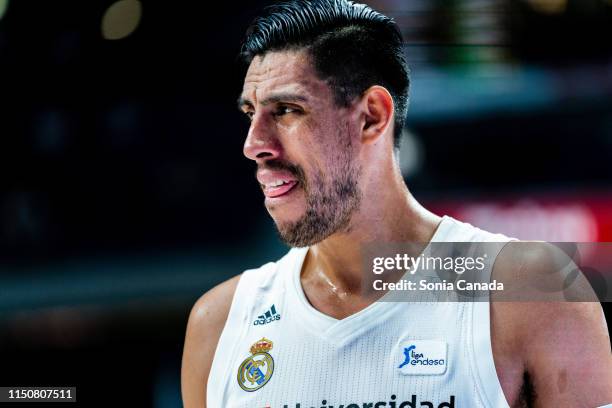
{"type": "Point", "coordinates": [256, 370]}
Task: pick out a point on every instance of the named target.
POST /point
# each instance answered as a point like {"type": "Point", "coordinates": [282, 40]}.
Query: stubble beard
{"type": "Point", "coordinates": [329, 206]}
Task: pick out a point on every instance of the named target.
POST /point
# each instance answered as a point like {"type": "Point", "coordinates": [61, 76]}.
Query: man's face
{"type": "Point", "coordinates": [304, 147]}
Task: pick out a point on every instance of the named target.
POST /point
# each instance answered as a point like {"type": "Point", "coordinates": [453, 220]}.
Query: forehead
{"type": "Point", "coordinates": [282, 72]}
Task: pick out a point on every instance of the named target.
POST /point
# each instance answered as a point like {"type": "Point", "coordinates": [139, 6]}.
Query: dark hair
{"type": "Point", "coordinates": [353, 47]}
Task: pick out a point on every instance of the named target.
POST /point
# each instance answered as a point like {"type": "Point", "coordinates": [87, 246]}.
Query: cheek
{"type": "Point", "coordinates": [339, 146]}
{"type": "Point", "coordinates": [306, 148]}
{"type": "Point", "coordinates": [320, 145]}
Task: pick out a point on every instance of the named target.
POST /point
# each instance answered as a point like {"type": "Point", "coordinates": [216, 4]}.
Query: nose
{"type": "Point", "coordinates": [261, 143]}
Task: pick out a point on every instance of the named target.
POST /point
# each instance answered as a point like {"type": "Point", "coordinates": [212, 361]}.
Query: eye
{"type": "Point", "coordinates": [283, 110]}
{"type": "Point", "coordinates": [249, 114]}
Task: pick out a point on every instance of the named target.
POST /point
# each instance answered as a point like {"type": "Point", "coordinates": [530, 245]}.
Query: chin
{"type": "Point", "coordinates": [283, 218]}
{"type": "Point", "coordinates": [287, 212]}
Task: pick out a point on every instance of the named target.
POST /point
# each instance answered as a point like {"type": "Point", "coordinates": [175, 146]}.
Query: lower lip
{"type": "Point", "coordinates": [281, 192]}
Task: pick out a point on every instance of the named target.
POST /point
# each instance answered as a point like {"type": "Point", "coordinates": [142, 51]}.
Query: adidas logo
{"type": "Point", "coordinates": [268, 317]}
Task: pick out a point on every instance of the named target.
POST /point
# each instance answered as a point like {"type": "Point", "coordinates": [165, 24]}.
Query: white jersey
{"type": "Point", "coordinates": [278, 351]}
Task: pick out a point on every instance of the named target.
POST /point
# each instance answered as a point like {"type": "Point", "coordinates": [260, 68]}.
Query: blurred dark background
{"type": "Point", "coordinates": [125, 194]}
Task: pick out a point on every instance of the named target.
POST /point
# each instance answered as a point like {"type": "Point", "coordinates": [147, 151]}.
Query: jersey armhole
{"type": "Point", "coordinates": [482, 351]}
{"type": "Point", "coordinates": [233, 330]}
{"type": "Point", "coordinates": [482, 356]}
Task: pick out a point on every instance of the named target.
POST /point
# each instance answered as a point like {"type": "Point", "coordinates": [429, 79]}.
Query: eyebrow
{"type": "Point", "coordinates": [275, 98]}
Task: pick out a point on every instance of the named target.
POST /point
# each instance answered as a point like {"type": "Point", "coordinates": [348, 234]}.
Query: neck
{"type": "Point", "coordinates": [391, 216]}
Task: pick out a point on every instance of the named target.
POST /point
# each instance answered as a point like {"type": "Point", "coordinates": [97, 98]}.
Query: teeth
{"type": "Point", "coordinates": [276, 183]}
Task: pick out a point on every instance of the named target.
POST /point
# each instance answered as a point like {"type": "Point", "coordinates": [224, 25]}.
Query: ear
{"type": "Point", "coordinates": [377, 111]}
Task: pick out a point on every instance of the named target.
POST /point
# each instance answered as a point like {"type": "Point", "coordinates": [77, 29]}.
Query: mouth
{"type": "Point", "coordinates": [279, 188]}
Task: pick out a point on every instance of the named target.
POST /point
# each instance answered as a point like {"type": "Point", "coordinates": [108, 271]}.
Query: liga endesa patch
{"type": "Point", "coordinates": [421, 357]}
{"type": "Point", "coordinates": [394, 402]}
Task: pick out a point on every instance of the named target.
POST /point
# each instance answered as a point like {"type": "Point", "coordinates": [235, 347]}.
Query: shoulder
{"type": "Point", "coordinates": [212, 308]}
{"type": "Point", "coordinates": [210, 311]}
{"type": "Point", "coordinates": [542, 286]}
{"type": "Point", "coordinates": [206, 322]}
{"type": "Point", "coordinates": [535, 271]}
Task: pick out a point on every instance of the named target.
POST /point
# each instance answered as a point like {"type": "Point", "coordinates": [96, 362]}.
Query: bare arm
{"type": "Point", "coordinates": [563, 346]}
{"type": "Point", "coordinates": [568, 355]}
{"type": "Point", "coordinates": [206, 322]}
